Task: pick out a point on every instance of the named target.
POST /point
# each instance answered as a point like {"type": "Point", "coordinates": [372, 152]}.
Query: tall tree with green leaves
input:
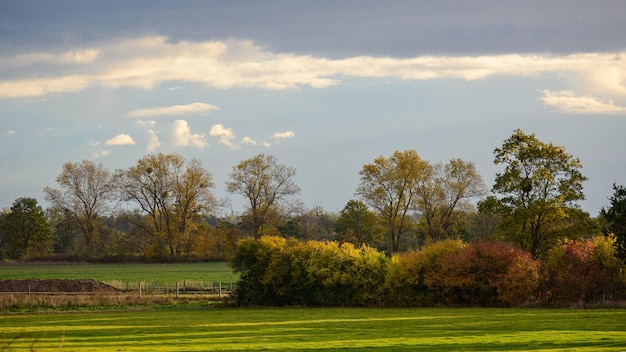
{"type": "Point", "coordinates": [267, 186]}
{"type": "Point", "coordinates": [539, 186]}
{"type": "Point", "coordinates": [615, 219]}
{"type": "Point", "coordinates": [25, 230]}
{"type": "Point", "coordinates": [357, 224]}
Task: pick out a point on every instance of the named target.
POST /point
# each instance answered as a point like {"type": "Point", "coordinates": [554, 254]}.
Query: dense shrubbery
{"type": "Point", "coordinates": [277, 271]}
{"type": "Point", "coordinates": [583, 271]}
{"type": "Point", "coordinates": [409, 271]}
{"type": "Point", "coordinates": [485, 274]}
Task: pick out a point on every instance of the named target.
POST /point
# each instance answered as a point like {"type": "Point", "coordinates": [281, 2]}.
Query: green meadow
{"type": "Point", "coordinates": [318, 329]}
{"type": "Point", "coordinates": [161, 273]}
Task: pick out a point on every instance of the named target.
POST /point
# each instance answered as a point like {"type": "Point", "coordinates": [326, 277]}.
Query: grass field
{"type": "Point", "coordinates": [163, 274]}
{"type": "Point", "coordinates": [292, 329]}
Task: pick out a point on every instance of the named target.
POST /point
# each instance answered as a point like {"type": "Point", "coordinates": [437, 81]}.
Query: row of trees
{"type": "Point", "coordinates": [164, 206]}
{"type": "Point", "coordinates": [276, 271]}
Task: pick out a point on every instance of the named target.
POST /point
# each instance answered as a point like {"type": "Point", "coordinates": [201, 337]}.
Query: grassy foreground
{"type": "Point", "coordinates": [318, 329]}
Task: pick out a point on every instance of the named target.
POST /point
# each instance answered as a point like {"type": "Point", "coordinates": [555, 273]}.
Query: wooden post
{"type": "Point", "coordinates": [219, 295]}
{"type": "Point", "coordinates": [176, 289]}
{"type": "Point", "coordinates": [139, 289]}
{"type": "Point", "coordinates": [28, 290]}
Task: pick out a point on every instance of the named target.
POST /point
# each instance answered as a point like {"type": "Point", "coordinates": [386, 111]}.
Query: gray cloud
{"type": "Point", "coordinates": [331, 28]}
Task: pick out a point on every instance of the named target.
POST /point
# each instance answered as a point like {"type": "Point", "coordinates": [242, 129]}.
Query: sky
{"type": "Point", "coordinates": [325, 86]}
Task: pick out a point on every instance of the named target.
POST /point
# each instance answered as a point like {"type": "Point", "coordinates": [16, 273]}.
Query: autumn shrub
{"type": "Point", "coordinates": [251, 260]}
{"type": "Point", "coordinates": [579, 272]}
{"type": "Point", "coordinates": [405, 280]}
{"type": "Point", "coordinates": [343, 275]}
{"type": "Point", "coordinates": [605, 254]}
{"type": "Point", "coordinates": [485, 274]}
{"type": "Point", "coordinates": [275, 271]}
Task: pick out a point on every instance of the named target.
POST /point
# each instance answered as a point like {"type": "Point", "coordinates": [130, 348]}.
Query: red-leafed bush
{"type": "Point", "coordinates": [581, 272]}
{"type": "Point", "coordinates": [486, 274]}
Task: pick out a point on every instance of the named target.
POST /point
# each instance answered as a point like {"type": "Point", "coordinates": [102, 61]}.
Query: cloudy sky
{"type": "Point", "coordinates": [325, 86]}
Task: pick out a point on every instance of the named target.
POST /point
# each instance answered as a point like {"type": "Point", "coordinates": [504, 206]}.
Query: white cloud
{"type": "Point", "coordinates": [153, 142]}
{"type": "Point", "coordinates": [250, 141]}
{"type": "Point", "coordinates": [226, 135]}
{"type": "Point", "coordinates": [145, 123]}
{"type": "Point", "coordinates": [70, 57]}
{"type": "Point", "coordinates": [98, 151]}
{"type": "Point", "coordinates": [42, 86]}
{"type": "Point", "coordinates": [282, 135]}
{"type": "Point", "coordinates": [9, 133]}
{"type": "Point", "coordinates": [147, 62]}
{"type": "Point", "coordinates": [568, 101]}
{"type": "Point", "coordinates": [176, 110]}
{"type": "Point", "coordinates": [121, 139]}
{"type": "Point", "coordinates": [182, 136]}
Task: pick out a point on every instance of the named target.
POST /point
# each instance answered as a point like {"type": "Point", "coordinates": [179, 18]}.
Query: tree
{"type": "Point", "coordinates": [25, 230]}
{"type": "Point", "coordinates": [357, 224]}
{"type": "Point", "coordinates": [84, 195]}
{"type": "Point", "coordinates": [173, 193]}
{"type": "Point", "coordinates": [615, 218]}
{"type": "Point", "coordinates": [388, 185]}
{"type": "Point", "coordinates": [539, 185]}
{"type": "Point", "coordinates": [266, 184]}
{"type": "Point", "coordinates": [446, 189]}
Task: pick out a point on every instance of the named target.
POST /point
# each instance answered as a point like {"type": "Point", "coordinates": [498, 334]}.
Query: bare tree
{"type": "Point", "coordinates": [84, 196]}
{"type": "Point", "coordinates": [266, 184]}
{"type": "Point", "coordinates": [173, 193]}
{"type": "Point", "coordinates": [444, 194]}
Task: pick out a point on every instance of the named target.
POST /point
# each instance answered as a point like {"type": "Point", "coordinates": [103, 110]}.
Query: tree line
{"type": "Point", "coordinates": [164, 207]}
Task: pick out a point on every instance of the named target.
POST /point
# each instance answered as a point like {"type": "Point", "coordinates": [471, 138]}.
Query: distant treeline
{"type": "Point", "coordinates": [164, 208]}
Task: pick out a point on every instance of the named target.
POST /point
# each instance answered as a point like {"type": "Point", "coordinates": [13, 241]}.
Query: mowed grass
{"type": "Point", "coordinates": [318, 329]}
{"type": "Point", "coordinates": [161, 273]}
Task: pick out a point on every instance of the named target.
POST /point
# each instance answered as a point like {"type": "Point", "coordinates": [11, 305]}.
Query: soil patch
{"type": "Point", "coordinates": [55, 285]}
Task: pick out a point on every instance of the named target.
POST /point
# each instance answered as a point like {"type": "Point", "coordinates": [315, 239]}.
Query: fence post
{"type": "Point", "coordinates": [139, 289]}
{"type": "Point", "coordinates": [28, 290]}
{"type": "Point", "coordinates": [219, 295]}
{"type": "Point", "coordinates": [176, 289]}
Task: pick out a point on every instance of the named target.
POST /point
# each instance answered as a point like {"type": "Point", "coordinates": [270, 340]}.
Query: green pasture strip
{"type": "Point", "coordinates": [162, 273]}
{"type": "Point", "coordinates": [318, 329]}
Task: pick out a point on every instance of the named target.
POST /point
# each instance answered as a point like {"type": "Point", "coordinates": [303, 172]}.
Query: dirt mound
{"type": "Point", "coordinates": [55, 286]}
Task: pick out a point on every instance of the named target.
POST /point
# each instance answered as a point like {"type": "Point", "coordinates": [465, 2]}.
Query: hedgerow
{"type": "Point", "coordinates": [275, 271]}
